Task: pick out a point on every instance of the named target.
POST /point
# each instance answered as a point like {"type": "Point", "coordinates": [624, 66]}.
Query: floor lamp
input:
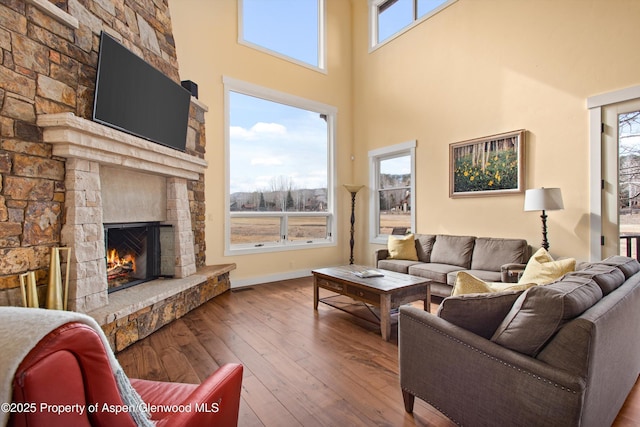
{"type": "Point", "coordinates": [543, 199]}
{"type": "Point", "coordinates": [353, 189]}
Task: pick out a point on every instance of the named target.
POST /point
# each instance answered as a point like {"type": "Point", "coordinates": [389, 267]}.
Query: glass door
{"type": "Point", "coordinates": [621, 179]}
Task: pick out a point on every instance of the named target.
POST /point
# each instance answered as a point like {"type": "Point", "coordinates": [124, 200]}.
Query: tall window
{"type": "Point", "coordinates": [392, 207]}
{"type": "Point", "coordinates": [390, 18]}
{"type": "Point", "coordinates": [280, 170]}
{"type": "Point", "coordinates": [292, 29]}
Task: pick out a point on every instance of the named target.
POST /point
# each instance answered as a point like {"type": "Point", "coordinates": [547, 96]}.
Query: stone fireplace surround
{"type": "Point", "coordinates": [98, 158]}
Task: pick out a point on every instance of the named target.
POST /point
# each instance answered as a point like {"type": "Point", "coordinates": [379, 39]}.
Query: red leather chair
{"type": "Point", "coordinates": [70, 366]}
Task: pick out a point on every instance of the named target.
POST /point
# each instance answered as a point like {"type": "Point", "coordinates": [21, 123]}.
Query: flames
{"type": "Point", "coordinates": [119, 265]}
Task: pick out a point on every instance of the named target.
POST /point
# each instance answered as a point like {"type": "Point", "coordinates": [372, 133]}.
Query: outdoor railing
{"type": "Point", "coordinates": [627, 243]}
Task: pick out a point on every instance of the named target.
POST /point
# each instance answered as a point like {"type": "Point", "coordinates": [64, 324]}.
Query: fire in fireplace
{"type": "Point", "coordinates": [137, 253]}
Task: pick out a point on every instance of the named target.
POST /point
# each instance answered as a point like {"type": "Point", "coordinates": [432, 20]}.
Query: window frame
{"type": "Point", "coordinates": [322, 40]}
{"type": "Point", "coordinates": [375, 157]}
{"type": "Point", "coordinates": [373, 21]}
{"type": "Point", "coordinates": [331, 112]}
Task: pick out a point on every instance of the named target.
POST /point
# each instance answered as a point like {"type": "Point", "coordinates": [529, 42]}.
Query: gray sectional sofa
{"type": "Point", "coordinates": [441, 257]}
{"type": "Point", "coordinates": [562, 354]}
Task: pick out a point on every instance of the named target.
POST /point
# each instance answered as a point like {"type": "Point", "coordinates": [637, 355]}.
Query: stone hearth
{"type": "Point", "coordinates": [134, 313]}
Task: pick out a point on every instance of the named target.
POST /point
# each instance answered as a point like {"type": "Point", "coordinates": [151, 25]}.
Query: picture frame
{"type": "Point", "coordinates": [488, 166]}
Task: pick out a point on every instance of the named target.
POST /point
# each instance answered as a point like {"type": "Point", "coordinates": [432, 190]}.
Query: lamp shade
{"type": "Point", "coordinates": [353, 188]}
{"type": "Point", "coordinates": [543, 199]}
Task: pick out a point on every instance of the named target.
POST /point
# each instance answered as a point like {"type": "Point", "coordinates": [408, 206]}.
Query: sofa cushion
{"type": "Point", "coordinates": [542, 269]}
{"type": "Point", "coordinates": [469, 284]}
{"type": "Point", "coordinates": [433, 271]}
{"type": "Point", "coordinates": [491, 254]}
{"type": "Point", "coordinates": [487, 276]}
{"type": "Point", "coordinates": [629, 266]}
{"type": "Point", "coordinates": [403, 247]}
{"type": "Point", "coordinates": [478, 313]}
{"type": "Point", "coordinates": [608, 277]}
{"type": "Point", "coordinates": [453, 250]}
{"type": "Point", "coordinates": [541, 310]}
{"type": "Point", "coordinates": [424, 246]}
{"type": "Point", "coordinates": [397, 265]}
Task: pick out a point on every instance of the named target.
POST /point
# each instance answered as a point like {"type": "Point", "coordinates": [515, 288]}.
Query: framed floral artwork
{"type": "Point", "coordinates": [489, 166]}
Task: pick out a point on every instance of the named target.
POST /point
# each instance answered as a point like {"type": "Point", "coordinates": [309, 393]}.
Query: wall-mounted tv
{"type": "Point", "coordinates": [133, 96]}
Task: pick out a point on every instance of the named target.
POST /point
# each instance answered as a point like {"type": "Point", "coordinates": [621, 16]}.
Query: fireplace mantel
{"type": "Point", "coordinates": [75, 137]}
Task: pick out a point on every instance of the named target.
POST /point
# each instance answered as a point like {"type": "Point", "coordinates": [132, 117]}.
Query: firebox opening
{"type": "Point", "coordinates": [137, 253]}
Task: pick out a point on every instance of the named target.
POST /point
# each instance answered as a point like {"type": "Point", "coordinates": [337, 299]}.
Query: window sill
{"type": "Point", "coordinates": [248, 250]}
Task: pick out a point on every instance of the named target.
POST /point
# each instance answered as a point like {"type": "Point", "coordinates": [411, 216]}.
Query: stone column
{"type": "Point", "coordinates": [83, 233]}
{"type": "Point", "coordinates": [179, 215]}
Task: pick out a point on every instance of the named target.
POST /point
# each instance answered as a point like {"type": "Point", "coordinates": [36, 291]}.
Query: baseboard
{"type": "Point", "coordinates": [241, 283]}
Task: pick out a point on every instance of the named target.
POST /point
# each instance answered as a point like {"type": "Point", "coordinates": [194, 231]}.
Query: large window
{"type": "Point", "coordinates": [291, 29]}
{"type": "Point", "coordinates": [280, 170]}
{"type": "Point", "coordinates": [390, 18]}
{"type": "Point", "coordinates": [392, 207]}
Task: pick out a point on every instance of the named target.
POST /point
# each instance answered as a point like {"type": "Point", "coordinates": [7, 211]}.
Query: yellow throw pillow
{"type": "Point", "coordinates": [542, 269]}
{"type": "Point", "coordinates": [402, 247]}
{"type": "Point", "coordinates": [469, 284]}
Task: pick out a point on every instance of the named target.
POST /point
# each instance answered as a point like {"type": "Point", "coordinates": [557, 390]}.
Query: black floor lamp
{"type": "Point", "coordinates": [353, 189]}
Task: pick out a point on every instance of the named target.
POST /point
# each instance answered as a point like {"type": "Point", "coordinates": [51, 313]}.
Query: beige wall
{"type": "Point", "coordinates": [207, 45]}
{"type": "Point", "coordinates": [478, 68]}
{"type": "Point", "coordinates": [483, 67]}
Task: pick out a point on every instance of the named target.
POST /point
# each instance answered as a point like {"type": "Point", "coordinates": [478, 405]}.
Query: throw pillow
{"type": "Point", "coordinates": [541, 310]}
{"type": "Point", "coordinates": [542, 269]}
{"type": "Point", "coordinates": [469, 284]}
{"type": "Point", "coordinates": [402, 247]}
{"type": "Point", "coordinates": [478, 313]}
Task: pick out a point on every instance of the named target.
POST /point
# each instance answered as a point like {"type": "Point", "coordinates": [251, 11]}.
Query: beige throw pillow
{"type": "Point", "coordinates": [542, 269]}
{"type": "Point", "coordinates": [469, 284]}
{"type": "Point", "coordinates": [402, 247]}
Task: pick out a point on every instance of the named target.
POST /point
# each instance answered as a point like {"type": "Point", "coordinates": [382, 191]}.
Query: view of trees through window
{"type": "Point", "coordinates": [394, 192]}
{"type": "Point", "coordinates": [278, 172]}
{"type": "Point", "coordinates": [629, 175]}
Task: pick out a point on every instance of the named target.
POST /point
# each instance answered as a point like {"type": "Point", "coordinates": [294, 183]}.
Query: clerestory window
{"type": "Point", "coordinates": [390, 18]}
{"type": "Point", "coordinates": [291, 29]}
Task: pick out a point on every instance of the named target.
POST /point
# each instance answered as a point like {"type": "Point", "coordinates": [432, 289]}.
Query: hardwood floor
{"type": "Point", "coordinates": [301, 367]}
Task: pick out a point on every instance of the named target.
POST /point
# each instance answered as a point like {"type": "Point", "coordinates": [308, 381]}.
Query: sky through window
{"type": "Point", "coordinates": [272, 141]}
{"type": "Point", "coordinates": [288, 27]}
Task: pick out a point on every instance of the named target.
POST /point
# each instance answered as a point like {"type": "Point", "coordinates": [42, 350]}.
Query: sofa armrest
{"type": "Point", "coordinates": [475, 381]}
{"type": "Point", "coordinates": [381, 254]}
{"type": "Point", "coordinates": [511, 273]}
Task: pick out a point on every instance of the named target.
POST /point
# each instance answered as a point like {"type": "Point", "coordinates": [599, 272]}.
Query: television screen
{"type": "Point", "coordinates": [133, 96]}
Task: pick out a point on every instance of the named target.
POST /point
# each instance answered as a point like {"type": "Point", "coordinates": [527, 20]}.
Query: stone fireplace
{"type": "Point", "coordinates": [114, 177]}
{"type": "Point", "coordinates": [114, 180]}
{"type": "Point", "coordinates": [64, 178]}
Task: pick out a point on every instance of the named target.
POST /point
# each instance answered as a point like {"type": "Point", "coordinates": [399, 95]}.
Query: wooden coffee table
{"type": "Point", "coordinates": [387, 292]}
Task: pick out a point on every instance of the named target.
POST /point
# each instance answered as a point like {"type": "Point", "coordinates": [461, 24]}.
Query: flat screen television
{"type": "Point", "coordinates": [133, 96]}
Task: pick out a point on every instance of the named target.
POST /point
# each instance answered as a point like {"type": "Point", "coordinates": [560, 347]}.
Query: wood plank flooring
{"type": "Point", "coordinates": [301, 367]}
